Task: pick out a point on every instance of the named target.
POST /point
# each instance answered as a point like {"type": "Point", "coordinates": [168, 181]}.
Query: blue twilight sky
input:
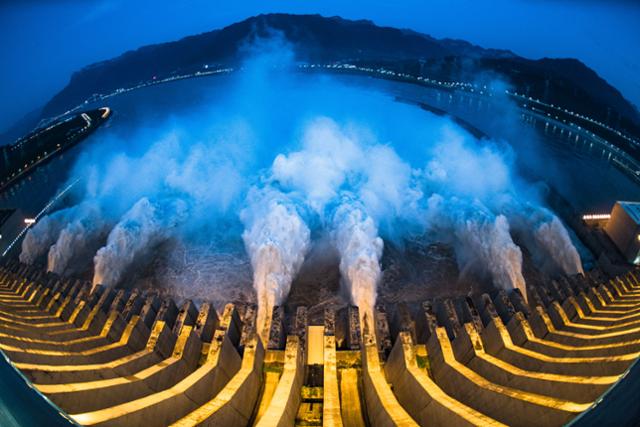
{"type": "Point", "coordinates": [43, 41]}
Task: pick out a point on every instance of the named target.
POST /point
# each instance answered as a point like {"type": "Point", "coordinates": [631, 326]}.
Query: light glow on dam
{"type": "Point", "coordinates": [297, 220]}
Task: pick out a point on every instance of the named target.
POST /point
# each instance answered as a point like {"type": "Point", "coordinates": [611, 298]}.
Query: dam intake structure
{"type": "Point", "coordinates": [116, 357]}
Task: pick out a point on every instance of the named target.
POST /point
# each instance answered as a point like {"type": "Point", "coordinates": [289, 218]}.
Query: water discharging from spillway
{"type": "Point", "coordinates": [336, 162]}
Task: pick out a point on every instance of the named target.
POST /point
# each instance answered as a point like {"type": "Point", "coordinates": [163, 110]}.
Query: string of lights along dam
{"type": "Point", "coordinates": [269, 227]}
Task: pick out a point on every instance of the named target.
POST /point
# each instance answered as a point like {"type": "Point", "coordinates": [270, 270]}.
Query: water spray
{"type": "Point", "coordinates": [277, 240]}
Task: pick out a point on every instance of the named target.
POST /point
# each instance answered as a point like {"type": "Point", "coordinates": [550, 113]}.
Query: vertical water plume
{"type": "Point", "coordinates": [42, 235]}
{"type": "Point", "coordinates": [545, 236]}
{"type": "Point", "coordinates": [277, 240]}
{"type": "Point", "coordinates": [553, 236]}
{"type": "Point", "coordinates": [487, 241]}
{"type": "Point", "coordinates": [135, 237]}
{"type": "Point", "coordinates": [368, 182]}
{"type": "Point", "coordinates": [78, 240]}
{"type": "Point", "coordinates": [482, 240]}
{"type": "Point", "coordinates": [360, 248]}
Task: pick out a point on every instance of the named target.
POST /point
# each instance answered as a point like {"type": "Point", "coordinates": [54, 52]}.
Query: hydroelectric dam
{"type": "Point", "coordinates": [336, 244]}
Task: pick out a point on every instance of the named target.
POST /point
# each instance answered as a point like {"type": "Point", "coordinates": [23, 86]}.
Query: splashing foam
{"type": "Point", "coordinates": [277, 240]}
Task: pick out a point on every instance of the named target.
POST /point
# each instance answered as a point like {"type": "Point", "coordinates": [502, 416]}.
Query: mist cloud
{"type": "Point", "coordinates": [279, 158]}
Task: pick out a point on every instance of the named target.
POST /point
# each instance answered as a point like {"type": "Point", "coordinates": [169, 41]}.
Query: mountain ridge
{"type": "Point", "coordinates": [563, 81]}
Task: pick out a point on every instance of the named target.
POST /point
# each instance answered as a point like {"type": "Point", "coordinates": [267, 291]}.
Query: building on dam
{"type": "Point", "coordinates": [624, 229]}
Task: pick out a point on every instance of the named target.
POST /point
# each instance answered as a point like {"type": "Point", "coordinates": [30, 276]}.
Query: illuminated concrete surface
{"type": "Point", "coordinates": [113, 357]}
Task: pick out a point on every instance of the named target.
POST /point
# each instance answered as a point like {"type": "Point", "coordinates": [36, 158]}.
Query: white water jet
{"type": "Point", "coordinates": [137, 234]}
{"type": "Point", "coordinates": [360, 247]}
{"type": "Point", "coordinates": [277, 240]}
{"type": "Point", "coordinates": [78, 239]}
{"type": "Point", "coordinates": [42, 235]}
{"type": "Point", "coordinates": [554, 237]}
{"type": "Point", "coordinates": [545, 236]}
{"type": "Point", "coordinates": [482, 240]}
{"type": "Point", "coordinates": [489, 243]}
